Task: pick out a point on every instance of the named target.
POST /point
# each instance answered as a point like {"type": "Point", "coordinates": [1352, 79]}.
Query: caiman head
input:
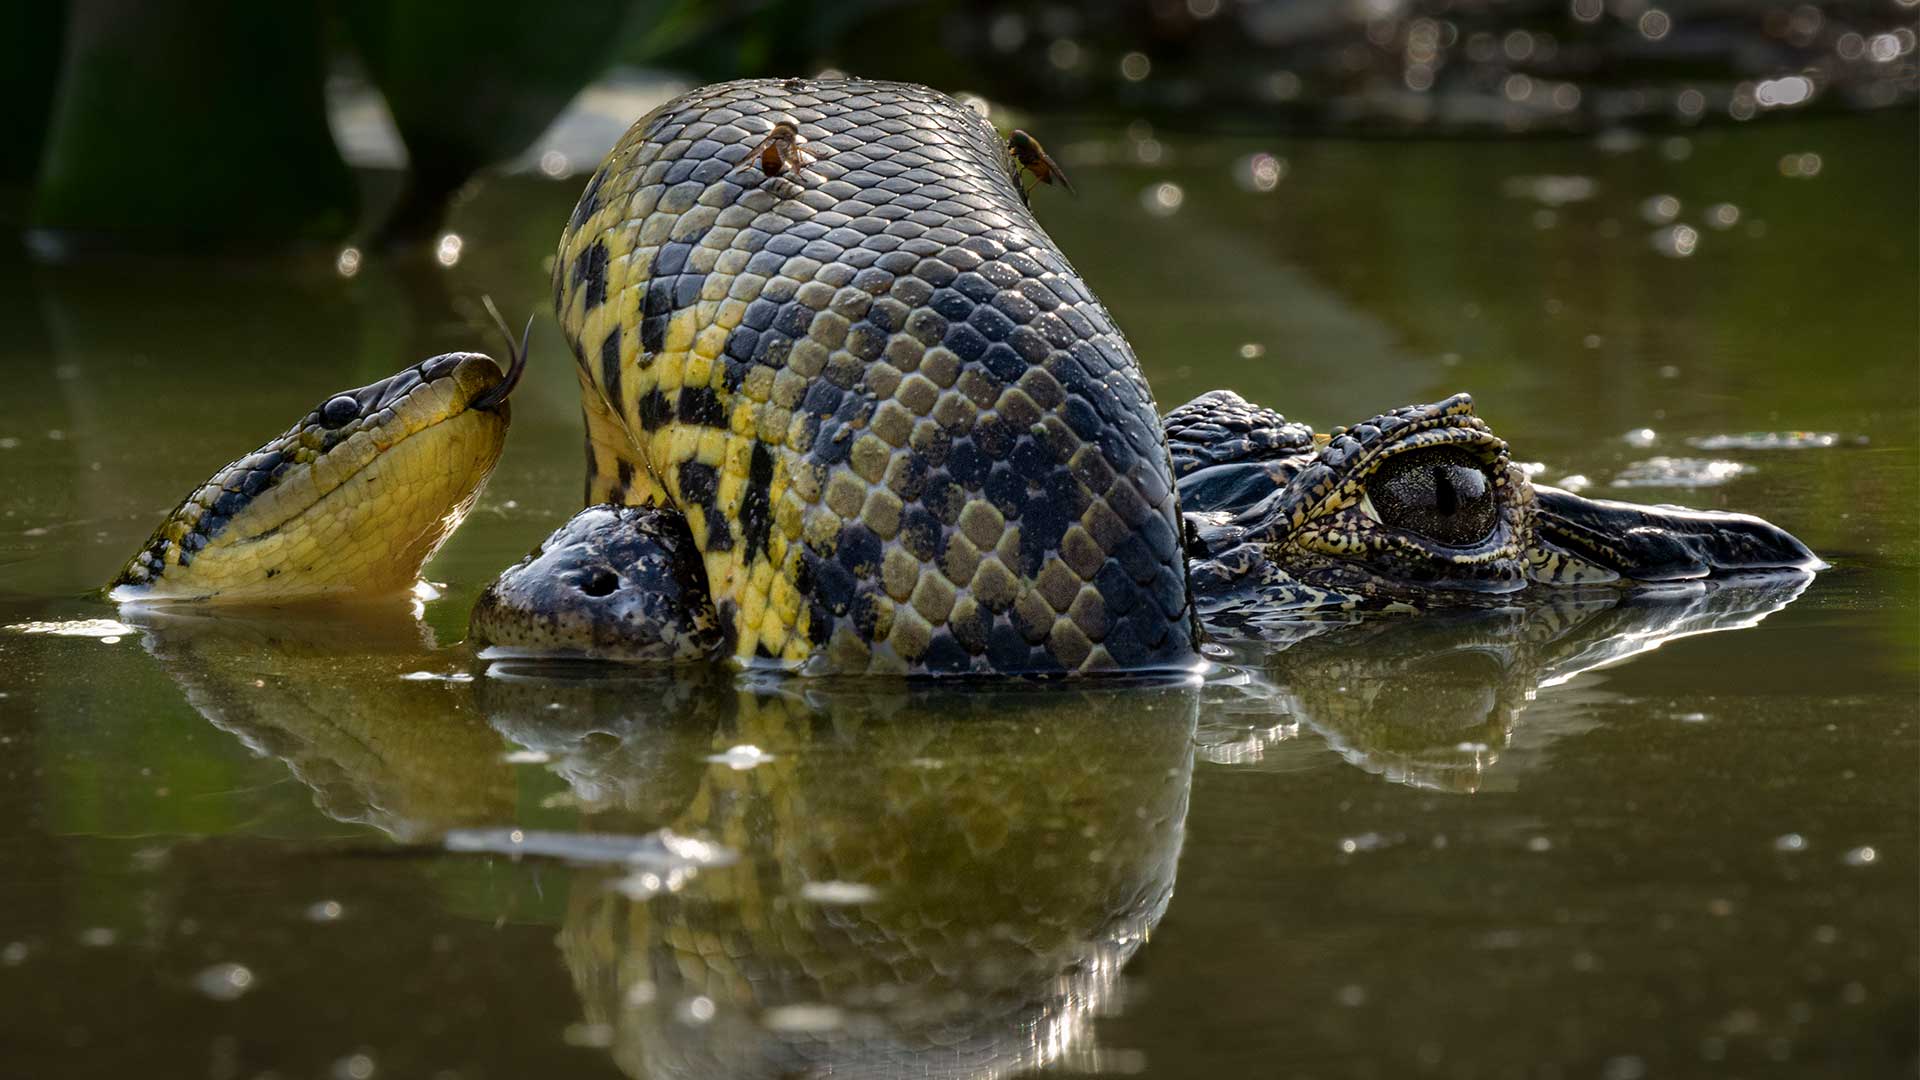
{"type": "Point", "coordinates": [1420, 507]}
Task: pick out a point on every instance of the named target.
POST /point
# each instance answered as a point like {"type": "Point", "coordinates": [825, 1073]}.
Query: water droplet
{"type": "Point", "coordinates": [1861, 856]}
{"type": "Point", "coordinates": [1162, 199]}
{"type": "Point", "coordinates": [324, 911]}
{"type": "Point", "coordinates": [838, 892]}
{"type": "Point", "coordinates": [741, 758]}
{"type": "Point", "coordinates": [224, 982]}
{"type": "Point", "coordinates": [803, 1018]}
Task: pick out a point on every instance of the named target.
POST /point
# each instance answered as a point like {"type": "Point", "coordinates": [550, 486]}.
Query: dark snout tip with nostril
{"type": "Point", "coordinates": [1668, 543]}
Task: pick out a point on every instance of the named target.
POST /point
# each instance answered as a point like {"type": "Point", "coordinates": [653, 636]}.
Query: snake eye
{"type": "Point", "coordinates": [1443, 494]}
{"type": "Point", "coordinates": [339, 411]}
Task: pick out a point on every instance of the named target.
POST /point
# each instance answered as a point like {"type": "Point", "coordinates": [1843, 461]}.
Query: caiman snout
{"type": "Point", "coordinates": [1665, 543]}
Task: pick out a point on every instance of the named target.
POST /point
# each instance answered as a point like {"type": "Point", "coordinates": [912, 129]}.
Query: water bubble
{"type": "Point", "coordinates": [1654, 24]}
{"type": "Point", "coordinates": [1353, 995]}
{"type": "Point", "coordinates": [1517, 88]}
{"type": "Point", "coordinates": [1552, 191]}
{"type": "Point", "coordinates": [347, 263]}
{"type": "Point", "coordinates": [1587, 11]}
{"type": "Point", "coordinates": [1135, 66]}
{"type": "Point", "coordinates": [1252, 350]}
{"type": "Point", "coordinates": [99, 937]}
{"type": "Point", "coordinates": [1690, 103]}
{"type": "Point", "coordinates": [1792, 841]}
{"type": "Point", "coordinates": [803, 1018]}
{"type": "Point", "coordinates": [1783, 93]}
{"type": "Point", "coordinates": [1007, 32]}
{"type": "Point", "coordinates": [15, 954]}
{"type": "Point", "coordinates": [1659, 209]}
{"type": "Point", "coordinates": [447, 251]}
{"type": "Point", "coordinates": [838, 892]}
{"type": "Point", "coordinates": [1064, 54]}
{"type": "Point", "coordinates": [1162, 199]}
{"type": "Point", "coordinates": [224, 982]}
{"type": "Point", "coordinates": [1884, 48]}
{"type": "Point", "coordinates": [1676, 148]}
{"type": "Point", "coordinates": [354, 1067]}
{"type": "Point", "coordinates": [526, 757]}
{"type": "Point", "coordinates": [1203, 9]}
{"type": "Point", "coordinates": [1281, 86]}
{"type": "Point", "coordinates": [1800, 166]}
{"type": "Point", "coordinates": [324, 911]}
{"type": "Point", "coordinates": [1641, 437]}
{"type": "Point", "coordinates": [556, 165]}
{"type": "Point", "coordinates": [1861, 856]}
{"type": "Point", "coordinates": [1259, 172]}
{"type": "Point", "coordinates": [741, 758]}
{"type": "Point", "coordinates": [1723, 215]}
{"type": "Point", "coordinates": [1676, 241]}
{"type": "Point", "coordinates": [1593, 341]}
{"type": "Point", "coordinates": [1539, 843]}
{"type": "Point", "coordinates": [697, 1010]}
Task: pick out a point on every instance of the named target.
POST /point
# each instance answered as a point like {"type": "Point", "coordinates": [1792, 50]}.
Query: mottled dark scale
{"type": "Point", "coordinates": [698, 484]}
{"type": "Point", "coordinates": [654, 410]}
{"type": "Point", "coordinates": [610, 372]}
{"type": "Point", "coordinates": [590, 273]}
{"type": "Point", "coordinates": [756, 509]}
{"type": "Point", "coordinates": [701, 405]}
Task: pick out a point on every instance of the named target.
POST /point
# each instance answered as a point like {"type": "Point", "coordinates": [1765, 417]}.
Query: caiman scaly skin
{"type": "Point", "coordinates": [905, 435]}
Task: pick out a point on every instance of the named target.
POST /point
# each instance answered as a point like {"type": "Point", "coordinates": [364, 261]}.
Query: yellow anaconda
{"type": "Point", "coordinates": [903, 432]}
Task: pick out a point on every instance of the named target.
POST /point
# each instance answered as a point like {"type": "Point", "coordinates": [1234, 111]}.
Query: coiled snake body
{"type": "Point", "coordinates": [900, 427]}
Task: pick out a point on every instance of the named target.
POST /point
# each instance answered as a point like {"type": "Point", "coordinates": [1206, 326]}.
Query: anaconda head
{"type": "Point", "coordinates": [1420, 507]}
{"type": "Point", "coordinates": [347, 503]}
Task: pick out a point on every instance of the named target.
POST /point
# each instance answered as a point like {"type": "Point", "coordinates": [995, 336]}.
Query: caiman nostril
{"type": "Point", "coordinates": [599, 581]}
{"type": "Point", "coordinates": [339, 411]}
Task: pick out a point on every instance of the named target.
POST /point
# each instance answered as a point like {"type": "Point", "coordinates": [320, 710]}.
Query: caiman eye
{"type": "Point", "coordinates": [1442, 494]}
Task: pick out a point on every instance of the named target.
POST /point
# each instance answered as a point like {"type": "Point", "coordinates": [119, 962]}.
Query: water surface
{"type": "Point", "coordinates": [1674, 835]}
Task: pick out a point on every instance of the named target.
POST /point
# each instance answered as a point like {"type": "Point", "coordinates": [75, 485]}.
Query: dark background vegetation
{"type": "Point", "coordinates": [202, 123]}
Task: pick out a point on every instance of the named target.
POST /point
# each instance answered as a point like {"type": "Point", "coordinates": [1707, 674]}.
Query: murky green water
{"type": "Point", "coordinates": [1673, 837]}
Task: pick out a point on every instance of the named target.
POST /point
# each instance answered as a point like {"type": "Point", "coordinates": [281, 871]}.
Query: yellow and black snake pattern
{"type": "Point", "coordinates": [905, 435]}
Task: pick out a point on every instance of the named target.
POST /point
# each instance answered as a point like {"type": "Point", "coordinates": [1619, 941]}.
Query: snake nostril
{"type": "Point", "coordinates": [599, 581]}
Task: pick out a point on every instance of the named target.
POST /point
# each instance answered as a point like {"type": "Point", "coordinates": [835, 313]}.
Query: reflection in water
{"type": "Point", "coordinates": [928, 880]}
{"type": "Point", "coordinates": [937, 883]}
{"type": "Point", "coordinates": [1434, 701]}
{"type": "Point", "coordinates": [328, 693]}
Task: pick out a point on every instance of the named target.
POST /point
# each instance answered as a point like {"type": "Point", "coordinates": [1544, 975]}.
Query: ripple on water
{"type": "Point", "coordinates": [1767, 440]}
{"type": "Point", "coordinates": [1679, 472]}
